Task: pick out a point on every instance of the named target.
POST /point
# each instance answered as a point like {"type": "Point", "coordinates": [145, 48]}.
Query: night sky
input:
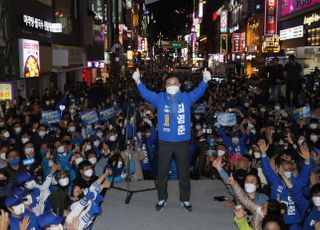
{"type": "Point", "coordinates": [171, 17]}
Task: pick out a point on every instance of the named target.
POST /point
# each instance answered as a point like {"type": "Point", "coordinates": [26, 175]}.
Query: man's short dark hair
{"type": "Point", "coordinates": [172, 75]}
{"type": "Point", "coordinates": [84, 164]}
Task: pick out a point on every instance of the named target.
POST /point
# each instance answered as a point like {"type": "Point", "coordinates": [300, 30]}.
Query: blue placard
{"type": "Point", "coordinates": [50, 117]}
{"type": "Point", "coordinates": [201, 108]}
{"type": "Point", "coordinates": [107, 114]}
{"type": "Point", "coordinates": [89, 117]}
{"type": "Point", "coordinates": [227, 119]}
{"type": "Point", "coordinates": [302, 112]}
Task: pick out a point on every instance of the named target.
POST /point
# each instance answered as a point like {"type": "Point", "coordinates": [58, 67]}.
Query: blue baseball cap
{"type": "Point", "coordinates": [20, 192]}
{"type": "Point", "coordinates": [24, 177]}
{"type": "Point", "coordinates": [50, 219]}
{"type": "Point", "coordinates": [13, 201]}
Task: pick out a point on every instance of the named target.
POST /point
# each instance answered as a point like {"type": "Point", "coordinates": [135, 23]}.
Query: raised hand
{"type": "Point", "coordinates": [4, 220]}
{"type": "Point", "coordinates": [305, 153]}
{"type": "Point", "coordinates": [206, 75]}
{"type": "Point", "coordinates": [24, 224]}
{"type": "Point", "coordinates": [240, 213]}
{"type": "Point", "coordinates": [136, 76]}
{"type": "Point", "coordinates": [263, 146]}
{"type": "Point", "coordinates": [218, 163]}
{"type": "Point", "coordinates": [230, 180]}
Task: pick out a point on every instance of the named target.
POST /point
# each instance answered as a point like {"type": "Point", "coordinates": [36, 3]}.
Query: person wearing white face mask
{"type": "Point", "coordinates": [51, 221]}
{"type": "Point", "coordinates": [18, 212]}
{"type": "Point", "coordinates": [174, 133]}
{"type": "Point", "coordinates": [86, 176]}
{"type": "Point", "coordinates": [59, 197]}
{"type": "Point", "coordinates": [310, 209]}
{"type": "Point", "coordinates": [284, 170]}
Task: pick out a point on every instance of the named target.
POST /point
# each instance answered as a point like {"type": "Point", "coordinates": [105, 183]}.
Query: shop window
{"type": "Point", "coordinates": [63, 15]}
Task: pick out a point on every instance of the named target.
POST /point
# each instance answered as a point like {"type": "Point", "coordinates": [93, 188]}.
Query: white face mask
{"type": "Point", "coordinates": [250, 188]}
{"type": "Point", "coordinates": [88, 147]}
{"type": "Point", "coordinates": [99, 134]}
{"type": "Point", "coordinates": [50, 163]}
{"type": "Point", "coordinates": [56, 227]}
{"type": "Point", "coordinates": [221, 152]}
{"type": "Point", "coordinates": [198, 127]}
{"type": "Point", "coordinates": [72, 129]}
{"type": "Point", "coordinates": [113, 138]}
{"type": "Point", "coordinates": [79, 160]}
{"type": "Point", "coordinates": [88, 173]}
{"type": "Point", "coordinates": [197, 117]}
{"type": "Point", "coordinates": [6, 134]}
{"type": "Point", "coordinates": [24, 140]}
{"type": "Point", "coordinates": [316, 201]}
{"type": "Point", "coordinates": [29, 200]}
{"type": "Point", "coordinates": [288, 174]}
{"type": "Point", "coordinates": [64, 181]}
{"type": "Point", "coordinates": [93, 160]}
{"type": "Point", "coordinates": [61, 149]}
{"type": "Point", "coordinates": [313, 138]}
{"type": "Point", "coordinates": [300, 141]}
{"type": "Point", "coordinates": [42, 133]}
{"type": "Point", "coordinates": [18, 209]}
{"type": "Point", "coordinates": [17, 130]}
{"type": "Point", "coordinates": [30, 184]}
{"type": "Point", "coordinates": [96, 143]}
{"type": "Point", "coordinates": [235, 140]}
{"type": "Point", "coordinates": [313, 126]}
{"type": "Point", "coordinates": [172, 90]}
{"type": "Point", "coordinates": [119, 164]}
{"type": "Point", "coordinates": [263, 110]}
{"type": "Point", "coordinates": [257, 155]}
{"type": "Point", "coordinates": [3, 156]}
{"type": "Point", "coordinates": [277, 107]}
{"type": "Point", "coordinates": [28, 150]}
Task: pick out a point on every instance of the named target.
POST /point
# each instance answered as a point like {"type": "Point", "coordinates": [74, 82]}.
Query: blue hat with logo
{"type": "Point", "coordinates": [13, 201]}
{"type": "Point", "coordinates": [49, 219]}
{"type": "Point", "coordinates": [24, 177]}
{"type": "Point", "coordinates": [20, 192]}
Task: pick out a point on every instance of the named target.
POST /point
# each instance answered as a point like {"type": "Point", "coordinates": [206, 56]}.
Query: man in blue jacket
{"type": "Point", "coordinates": [174, 133]}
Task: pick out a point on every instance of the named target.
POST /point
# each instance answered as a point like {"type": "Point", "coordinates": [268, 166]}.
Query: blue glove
{"type": "Point", "coordinates": [95, 210]}
{"type": "Point", "coordinates": [98, 199]}
{"type": "Point", "coordinates": [89, 195]}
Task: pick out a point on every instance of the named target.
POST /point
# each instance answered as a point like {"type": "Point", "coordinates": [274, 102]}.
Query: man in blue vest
{"type": "Point", "coordinates": [174, 133]}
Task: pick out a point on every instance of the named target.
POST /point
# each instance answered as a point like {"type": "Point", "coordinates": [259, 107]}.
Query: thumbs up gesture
{"type": "Point", "coordinates": [136, 76]}
{"type": "Point", "coordinates": [206, 75]}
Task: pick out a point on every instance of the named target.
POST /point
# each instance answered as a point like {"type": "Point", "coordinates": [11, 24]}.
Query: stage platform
{"type": "Point", "coordinates": [140, 214]}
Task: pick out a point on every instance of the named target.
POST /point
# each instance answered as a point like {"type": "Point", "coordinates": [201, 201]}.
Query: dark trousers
{"type": "Point", "coordinates": [180, 151]}
{"type": "Point", "coordinates": [293, 88]}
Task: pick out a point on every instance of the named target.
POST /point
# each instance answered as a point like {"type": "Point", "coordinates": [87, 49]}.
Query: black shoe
{"type": "Point", "coordinates": [160, 205]}
{"type": "Point", "coordinates": [187, 206]}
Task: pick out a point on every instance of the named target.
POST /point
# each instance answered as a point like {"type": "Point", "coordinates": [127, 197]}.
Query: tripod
{"type": "Point", "coordinates": [129, 142]}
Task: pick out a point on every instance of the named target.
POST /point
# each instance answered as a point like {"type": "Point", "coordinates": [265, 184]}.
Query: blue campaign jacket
{"type": "Point", "coordinates": [239, 148]}
{"type": "Point", "coordinates": [280, 192]}
{"type": "Point", "coordinates": [14, 222]}
{"type": "Point", "coordinates": [303, 205]}
{"type": "Point", "coordinates": [174, 113]}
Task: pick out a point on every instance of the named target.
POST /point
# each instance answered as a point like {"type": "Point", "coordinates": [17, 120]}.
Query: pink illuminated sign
{"type": "Point", "coordinates": [292, 6]}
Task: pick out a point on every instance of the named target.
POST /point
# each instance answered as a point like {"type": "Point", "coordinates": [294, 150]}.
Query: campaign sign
{"type": "Point", "coordinates": [106, 114]}
{"type": "Point", "coordinates": [227, 119]}
{"type": "Point", "coordinates": [302, 112]}
{"type": "Point", "coordinates": [201, 108]}
{"type": "Point", "coordinates": [89, 117]}
{"type": "Point", "coordinates": [50, 117]}
{"type": "Point", "coordinates": [28, 161]}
